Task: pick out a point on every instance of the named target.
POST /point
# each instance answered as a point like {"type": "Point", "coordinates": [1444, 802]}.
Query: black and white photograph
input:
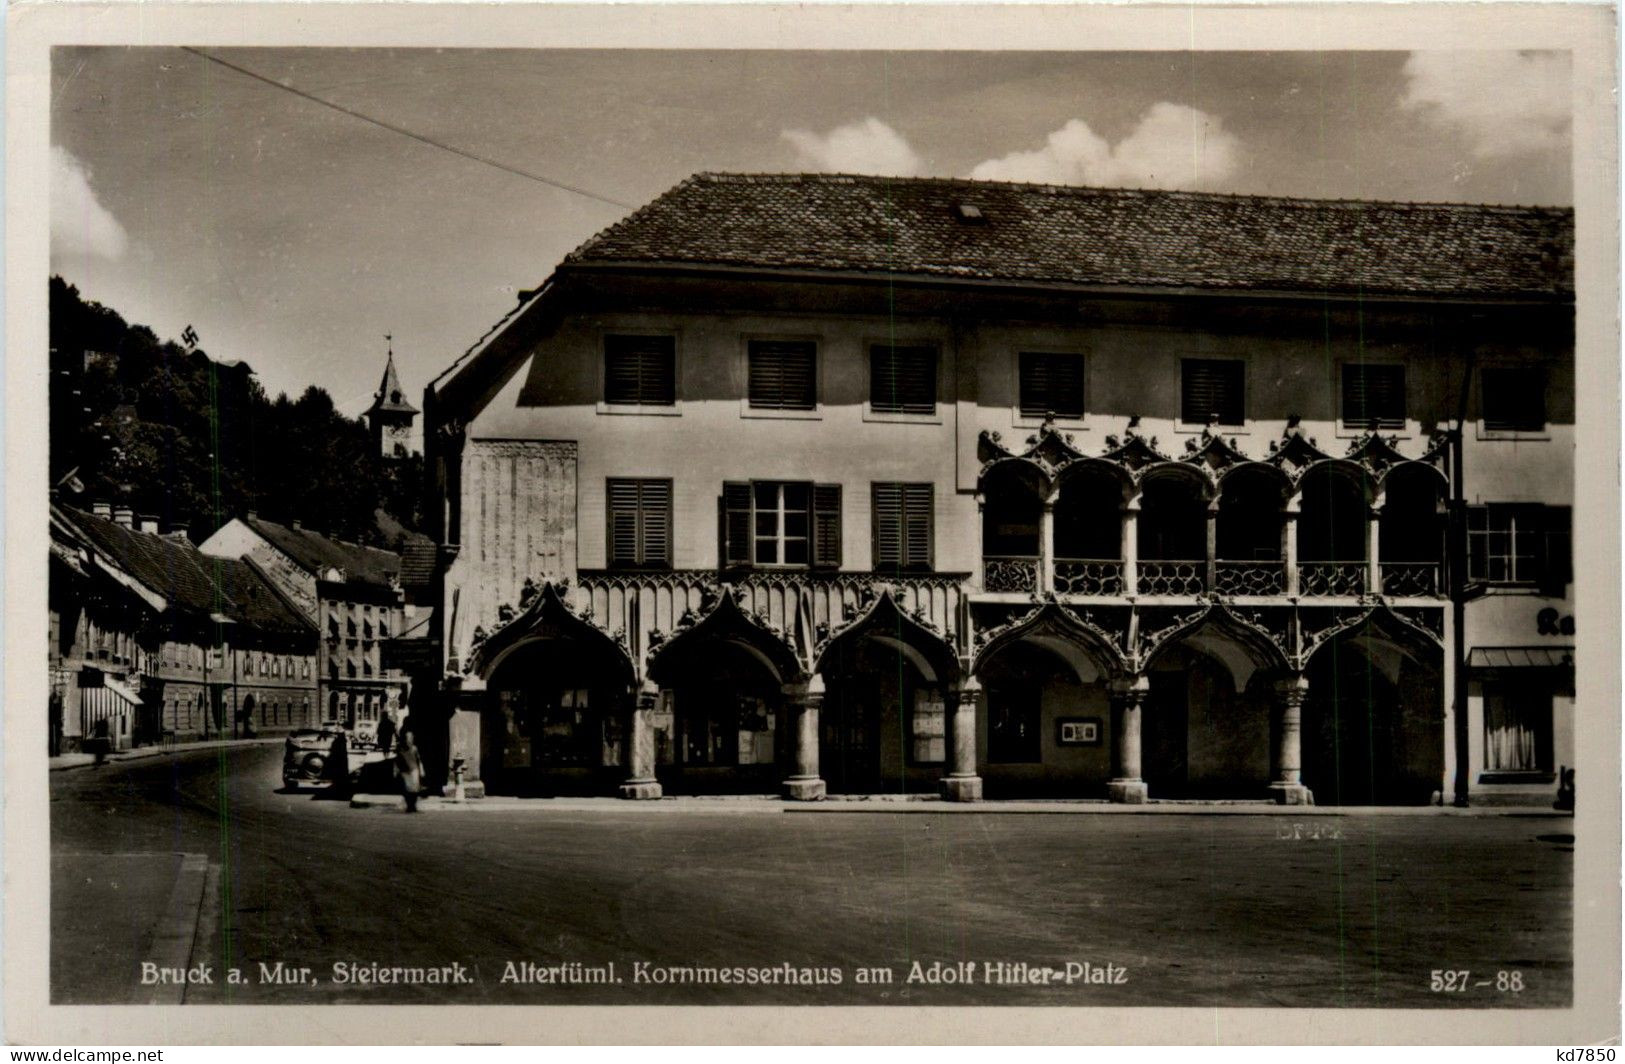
{"type": "Point", "coordinates": [910, 524]}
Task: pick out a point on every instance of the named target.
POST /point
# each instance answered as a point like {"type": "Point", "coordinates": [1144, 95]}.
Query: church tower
{"type": "Point", "coordinates": [390, 415]}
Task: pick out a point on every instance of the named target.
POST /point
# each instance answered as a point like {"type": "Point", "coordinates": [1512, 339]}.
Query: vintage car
{"type": "Point", "coordinates": [308, 753]}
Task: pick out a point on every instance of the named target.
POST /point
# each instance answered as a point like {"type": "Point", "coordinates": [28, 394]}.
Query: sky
{"type": "Point", "coordinates": [295, 237]}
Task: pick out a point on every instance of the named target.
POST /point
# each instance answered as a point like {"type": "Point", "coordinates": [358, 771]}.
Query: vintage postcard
{"type": "Point", "coordinates": [1101, 518]}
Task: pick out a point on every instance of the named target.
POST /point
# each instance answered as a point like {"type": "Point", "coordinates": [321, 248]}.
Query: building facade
{"type": "Point", "coordinates": [830, 484]}
{"type": "Point", "coordinates": [152, 642]}
{"type": "Point", "coordinates": [350, 594]}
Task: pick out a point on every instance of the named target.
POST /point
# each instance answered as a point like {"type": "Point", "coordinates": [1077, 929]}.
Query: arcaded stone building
{"type": "Point", "coordinates": [823, 484]}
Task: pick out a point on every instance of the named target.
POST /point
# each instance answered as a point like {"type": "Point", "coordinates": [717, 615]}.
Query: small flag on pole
{"type": "Point", "coordinates": [189, 336]}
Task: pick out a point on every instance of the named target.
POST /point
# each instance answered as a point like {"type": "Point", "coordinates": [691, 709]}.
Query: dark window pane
{"type": "Point", "coordinates": [1514, 399]}
{"type": "Point", "coordinates": [1051, 384]}
{"type": "Point", "coordinates": [903, 380]}
{"type": "Point", "coordinates": [795, 552]}
{"type": "Point", "coordinates": [1373, 396]}
{"type": "Point", "coordinates": [1212, 387]}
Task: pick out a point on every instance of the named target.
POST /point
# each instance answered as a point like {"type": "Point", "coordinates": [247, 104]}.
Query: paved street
{"type": "Point", "coordinates": [198, 859]}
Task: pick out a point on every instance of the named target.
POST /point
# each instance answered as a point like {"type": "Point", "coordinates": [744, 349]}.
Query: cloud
{"type": "Point", "coordinates": [1173, 146]}
{"type": "Point", "coordinates": [80, 225]}
{"type": "Point", "coordinates": [1506, 103]}
{"type": "Point", "coordinates": [866, 147]}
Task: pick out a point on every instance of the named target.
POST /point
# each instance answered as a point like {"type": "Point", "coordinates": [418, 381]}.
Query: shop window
{"type": "Point", "coordinates": [1051, 384]}
{"type": "Point", "coordinates": [1514, 399]}
{"type": "Point", "coordinates": [928, 729]}
{"type": "Point", "coordinates": [640, 370]}
{"type": "Point", "coordinates": [1517, 726]}
{"type": "Point", "coordinates": [783, 374]}
{"type": "Point", "coordinates": [639, 534]}
{"type": "Point", "coordinates": [568, 731]}
{"type": "Point", "coordinates": [902, 380]}
{"type": "Point", "coordinates": [756, 731]}
{"type": "Point", "coordinates": [781, 523]}
{"type": "Point", "coordinates": [1013, 727]}
{"type": "Point", "coordinates": [1212, 387]}
{"type": "Point", "coordinates": [902, 526]}
{"type": "Point", "coordinates": [1373, 396]}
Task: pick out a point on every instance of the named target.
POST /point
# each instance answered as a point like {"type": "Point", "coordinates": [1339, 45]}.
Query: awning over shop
{"type": "Point", "coordinates": [1521, 658]}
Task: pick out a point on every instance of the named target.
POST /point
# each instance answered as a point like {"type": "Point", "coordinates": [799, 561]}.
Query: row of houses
{"type": "Point", "coordinates": [260, 630]}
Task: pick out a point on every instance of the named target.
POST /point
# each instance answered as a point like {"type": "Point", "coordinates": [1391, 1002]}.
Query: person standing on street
{"type": "Point", "coordinates": [409, 767]}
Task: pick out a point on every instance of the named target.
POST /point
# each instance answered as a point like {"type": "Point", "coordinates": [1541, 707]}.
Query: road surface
{"type": "Point", "coordinates": [197, 863]}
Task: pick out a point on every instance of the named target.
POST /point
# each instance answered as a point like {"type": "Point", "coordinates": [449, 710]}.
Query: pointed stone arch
{"type": "Point", "coordinates": [725, 621]}
{"type": "Point", "coordinates": [1060, 630]}
{"type": "Point", "coordinates": [546, 617]}
{"type": "Point", "coordinates": [1410, 638]}
{"type": "Point", "coordinates": [885, 621]}
{"type": "Point", "coordinates": [1263, 648]}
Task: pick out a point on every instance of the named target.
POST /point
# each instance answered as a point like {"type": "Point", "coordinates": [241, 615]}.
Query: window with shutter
{"type": "Point", "coordinates": [780, 523]}
{"type": "Point", "coordinates": [1051, 384]}
{"type": "Point", "coordinates": [902, 380]}
{"type": "Point", "coordinates": [902, 525]}
{"type": "Point", "coordinates": [783, 374]}
{"type": "Point", "coordinates": [1514, 399]}
{"type": "Point", "coordinates": [640, 370]}
{"type": "Point", "coordinates": [639, 518]}
{"type": "Point", "coordinates": [1373, 396]}
{"type": "Point", "coordinates": [734, 518]}
{"type": "Point", "coordinates": [1209, 387]}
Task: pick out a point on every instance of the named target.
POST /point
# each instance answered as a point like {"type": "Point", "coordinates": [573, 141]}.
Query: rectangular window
{"type": "Point", "coordinates": [1051, 385]}
{"type": "Point", "coordinates": [902, 380]}
{"type": "Point", "coordinates": [640, 370]}
{"type": "Point", "coordinates": [1212, 387]}
{"type": "Point", "coordinates": [1514, 399]}
{"type": "Point", "coordinates": [780, 523]}
{"type": "Point", "coordinates": [783, 374]}
{"type": "Point", "coordinates": [639, 522]}
{"type": "Point", "coordinates": [902, 525]}
{"type": "Point", "coordinates": [1519, 544]}
{"type": "Point", "coordinates": [1373, 396]}
{"type": "Point", "coordinates": [1517, 726]}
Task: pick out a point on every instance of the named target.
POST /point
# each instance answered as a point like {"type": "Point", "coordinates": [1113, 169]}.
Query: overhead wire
{"type": "Point", "coordinates": [403, 131]}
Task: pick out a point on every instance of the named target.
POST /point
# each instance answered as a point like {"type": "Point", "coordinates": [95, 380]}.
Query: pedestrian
{"type": "Point", "coordinates": [409, 767]}
{"type": "Point", "coordinates": [386, 731]}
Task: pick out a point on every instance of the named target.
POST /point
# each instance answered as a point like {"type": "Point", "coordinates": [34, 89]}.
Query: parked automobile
{"type": "Point", "coordinates": [308, 753]}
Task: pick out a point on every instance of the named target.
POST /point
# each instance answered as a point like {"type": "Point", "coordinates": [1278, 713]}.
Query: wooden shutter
{"type": "Point", "coordinates": [1514, 399]}
{"type": "Point", "coordinates": [654, 523]}
{"type": "Point", "coordinates": [1557, 561]}
{"type": "Point", "coordinates": [733, 509]}
{"type": "Point", "coordinates": [917, 526]}
{"type": "Point", "coordinates": [1212, 386]}
{"type": "Point", "coordinates": [826, 527]}
{"type": "Point", "coordinates": [902, 526]}
{"type": "Point", "coordinates": [640, 370]}
{"type": "Point", "coordinates": [1051, 384]}
{"type": "Point", "coordinates": [888, 526]}
{"type": "Point", "coordinates": [903, 380]}
{"type": "Point", "coordinates": [783, 374]}
{"type": "Point", "coordinates": [1373, 396]}
{"type": "Point", "coordinates": [622, 506]}
{"type": "Point", "coordinates": [639, 522]}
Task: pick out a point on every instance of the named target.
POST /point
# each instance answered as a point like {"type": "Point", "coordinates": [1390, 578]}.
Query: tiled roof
{"type": "Point", "coordinates": [317, 553]}
{"type": "Point", "coordinates": [192, 582]}
{"type": "Point", "coordinates": [1096, 236]}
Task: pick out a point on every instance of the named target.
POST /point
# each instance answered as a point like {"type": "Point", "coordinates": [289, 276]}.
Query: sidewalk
{"type": "Point", "coordinates": [887, 804]}
{"type": "Point", "coordinates": [65, 761]}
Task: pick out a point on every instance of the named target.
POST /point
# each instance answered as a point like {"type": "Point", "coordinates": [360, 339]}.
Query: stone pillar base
{"type": "Point", "coordinates": [804, 789]}
{"type": "Point", "coordinates": [638, 790]}
{"type": "Point", "coordinates": [471, 789]}
{"type": "Point", "coordinates": [1128, 792]}
{"type": "Point", "coordinates": [962, 788]}
{"type": "Point", "coordinates": [1291, 794]}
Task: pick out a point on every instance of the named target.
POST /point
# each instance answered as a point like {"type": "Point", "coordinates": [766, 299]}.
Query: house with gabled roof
{"type": "Point", "coordinates": [822, 483]}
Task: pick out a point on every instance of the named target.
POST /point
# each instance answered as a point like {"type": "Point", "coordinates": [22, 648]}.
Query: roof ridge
{"type": "Point", "coordinates": [794, 176]}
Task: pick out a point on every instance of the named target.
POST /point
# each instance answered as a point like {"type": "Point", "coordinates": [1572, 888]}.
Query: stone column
{"type": "Point", "coordinates": [1289, 542]}
{"type": "Point", "coordinates": [962, 784]}
{"type": "Point", "coordinates": [1131, 545]}
{"type": "Point", "coordinates": [1046, 545]}
{"type": "Point", "coordinates": [1210, 582]}
{"type": "Point", "coordinates": [804, 700]}
{"type": "Point", "coordinates": [1287, 787]}
{"type": "Point", "coordinates": [1373, 549]}
{"type": "Point", "coordinates": [981, 548]}
{"type": "Point", "coordinates": [1128, 703]}
{"type": "Point", "coordinates": [640, 747]}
